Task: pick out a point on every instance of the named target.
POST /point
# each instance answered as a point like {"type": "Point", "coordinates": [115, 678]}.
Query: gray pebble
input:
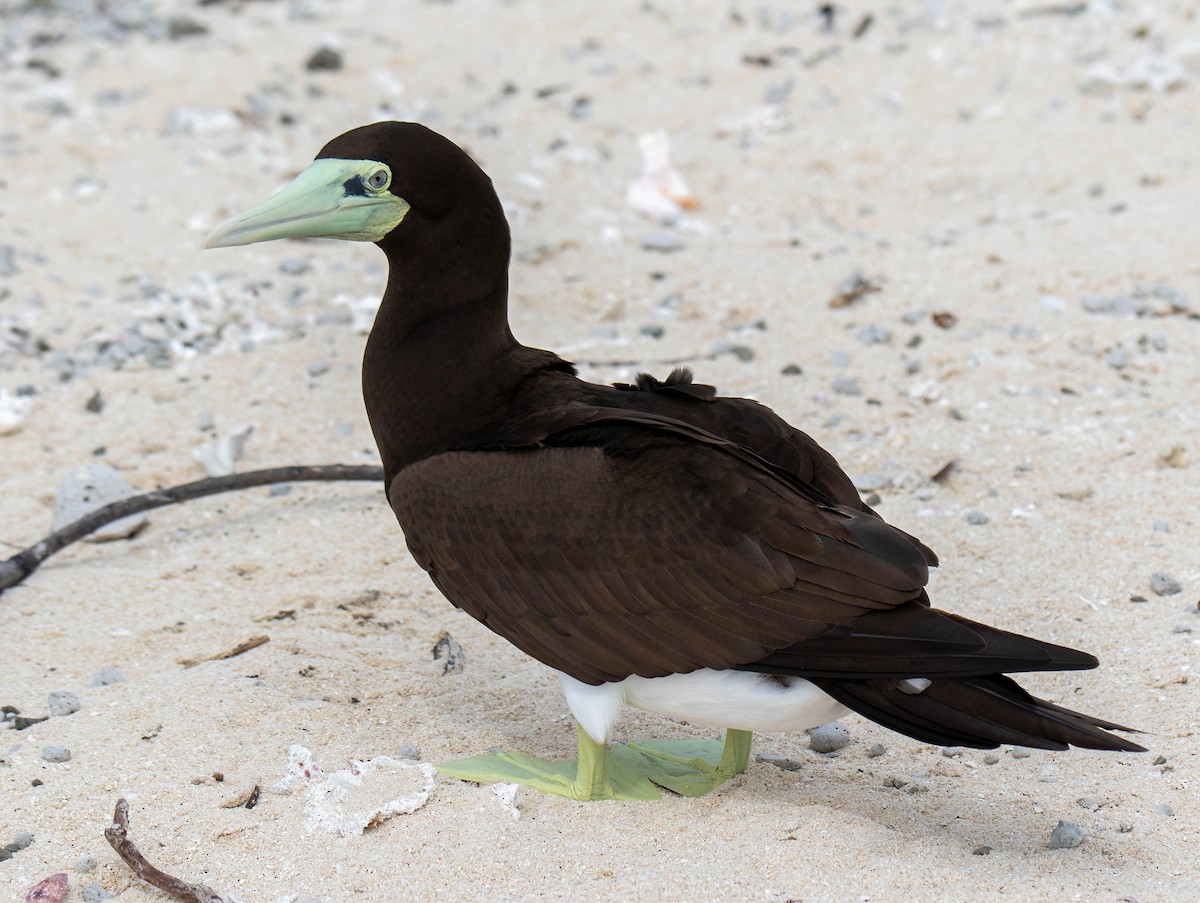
{"type": "Point", "coordinates": [663, 242]}
{"type": "Point", "coordinates": [875, 750]}
{"type": "Point", "coordinates": [317, 368]}
{"type": "Point", "coordinates": [183, 27]}
{"type": "Point", "coordinates": [56, 754]}
{"type": "Point", "coordinates": [874, 335]}
{"type": "Point", "coordinates": [279, 489]}
{"type": "Point", "coordinates": [8, 261]}
{"type": "Point", "coordinates": [653, 330]}
{"type": "Point", "coordinates": [1087, 802]}
{"type": "Point", "coordinates": [913, 317]}
{"type": "Point", "coordinates": [1165, 809]}
{"type": "Point", "coordinates": [107, 675]}
{"type": "Point", "coordinates": [1066, 836]}
{"type": "Point", "coordinates": [94, 893]}
{"type": "Point", "coordinates": [1160, 526]}
{"type": "Point", "coordinates": [1117, 359]}
{"type": "Point", "coordinates": [63, 702]}
{"type": "Point", "coordinates": [85, 863]}
{"type": "Point", "coordinates": [981, 851]}
{"type": "Point", "coordinates": [409, 752]}
{"type": "Point", "coordinates": [1182, 628]}
{"type": "Point", "coordinates": [1048, 774]}
{"type": "Point", "coordinates": [871, 481]}
{"type": "Point", "coordinates": [743, 353]}
{"type": "Point", "coordinates": [294, 266]}
{"type": "Point", "coordinates": [90, 487]}
{"type": "Point", "coordinates": [1021, 752]}
{"type": "Point", "coordinates": [977, 517]}
{"type": "Point", "coordinates": [1164, 584]}
{"type": "Point", "coordinates": [828, 737]}
{"type": "Point", "coordinates": [846, 385]}
{"type": "Point", "coordinates": [952, 752]}
{"type": "Point", "coordinates": [990, 758]}
{"type": "Point", "coordinates": [325, 59]}
{"type": "Point", "coordinates": [839, 359]}
{"type": "Point", "coordinates": [792, 370]}
{"type": "Point", "coordinates": [22, 840]}
{"type": "Point", "coordinates": [1096, 304]}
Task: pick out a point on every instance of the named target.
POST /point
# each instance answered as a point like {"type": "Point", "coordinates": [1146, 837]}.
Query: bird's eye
{"type": "Point", "coordinates": [379, 179]}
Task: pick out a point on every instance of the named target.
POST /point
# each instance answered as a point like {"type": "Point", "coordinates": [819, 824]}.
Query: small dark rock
{"type": "Point", "coordinates": [325, 59]}
{"type": "Point", "coordinates": [183, 27]}
{"type": "Point", "coordinates": [95, 404]}
{"type": "Point", "coordinates": [981, 851]}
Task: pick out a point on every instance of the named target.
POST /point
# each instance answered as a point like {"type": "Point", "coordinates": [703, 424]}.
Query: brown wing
{"type": "Point", "coordinates": [652, 554]}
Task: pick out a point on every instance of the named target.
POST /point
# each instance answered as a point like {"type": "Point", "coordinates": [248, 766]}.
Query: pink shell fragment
{"type": "Point", "coordinates": [48, 890]}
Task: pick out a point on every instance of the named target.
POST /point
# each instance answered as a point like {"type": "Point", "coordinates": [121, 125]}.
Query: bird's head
{"type": "Point", "coordinates": [362, 186]}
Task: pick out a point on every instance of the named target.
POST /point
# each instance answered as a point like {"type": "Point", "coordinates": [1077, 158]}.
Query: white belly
{"type": "Point", "coordinates": [742, 700]}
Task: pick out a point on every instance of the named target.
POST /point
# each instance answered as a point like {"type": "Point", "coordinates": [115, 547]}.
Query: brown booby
{"type": "Point", "coordinates": [657, 545]}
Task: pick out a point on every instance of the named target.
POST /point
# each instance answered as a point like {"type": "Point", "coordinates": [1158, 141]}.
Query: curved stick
{"type": "Point", "coordinates": [24, 563]}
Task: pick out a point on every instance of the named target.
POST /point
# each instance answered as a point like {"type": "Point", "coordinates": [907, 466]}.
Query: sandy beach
{"type": "Point", "coordinates": [927, 233]}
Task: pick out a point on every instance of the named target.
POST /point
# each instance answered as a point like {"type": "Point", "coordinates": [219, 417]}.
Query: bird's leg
{"type": "Point", "coordinates": [627, 771]}
{"type": "Point", "coordinates": [595, 775]}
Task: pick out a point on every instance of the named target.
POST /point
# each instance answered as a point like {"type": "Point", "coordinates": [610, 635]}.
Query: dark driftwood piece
{"type": "Point", "coordinates": [117, 835]}
{"type": "Point", "coordinates": [21, 565]}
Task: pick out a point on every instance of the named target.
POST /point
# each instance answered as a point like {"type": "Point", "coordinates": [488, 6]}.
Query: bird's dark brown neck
{"type": "Point", "coordinates": [434, 366]}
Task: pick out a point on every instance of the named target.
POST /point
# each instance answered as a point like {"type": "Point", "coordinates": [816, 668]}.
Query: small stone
{"type": "Point", "coordinates": [63, 702]}
{"type": "Point", "coordinates": [88, 488]}
{"type": "Point", "coordinates": [1165, 809]}
{"type": "Point", "coordinates": [1159, 760]}
{"type": "Point", "coordinates": [56, 754]}
{"type": "Point", "coordinates": [317, 368]}
{"type": "Point", "coordinates": [1087, 802]}
{"type": "Point", "coordinates": [183, 27]}
{"type": "Point", "coordinates": [1117, 359]}
{"type": "Point", "coordinates": [1066, 836]}
{"type": "Point", "coordinates": [981, 851]}
{"type": "Point", "coordinates": [792, 370]}
{"type": "Point", "coordinates": [828, 737]}
{"type": "Point", "coordinates": [1160, 526]}
{"type": "Point", "coordinates": [871, 481]}
{"type": "Point", "coordinates": [652, 330]}
{"type": "Point", "coordinates": [976, 517]}
{"type": "Point", "coordinates": [662, 242]}
{"type": "Point", "coordinates": [1021, 752]}
{"type": "Point", "coordinates": [85, 864]}
{"type": "Point", "coordinates": [1182, 628]}
{"type": "Point", "coordinates": [1137, 597]}
{"type": "Point", "coordinates": [875, 750]}
{"type": "Point", "coordinates": [1164, 584]}
{"type": "Point", "coordinates": [8, 261]}
{"type": "Point", "coordinates": [95, 404]}
{"type": "Point", "coordinates": [107, 675]}
{"type": "Point", "coordinates": [990, 758]}
{"type": "Point", "coordinates": [846, 385]}
{"type": "Point", "coordinates": [294, 266]}
{"type": "Point", "coordinates": [409, 752]}
{"type": "Point", "coordinates": [1048, 774]}
{"type": "Point", "coordinates": [22, 840]}
{"type": "Point", "coordinates": [279, 489]}
{"type": "Point", "coordinates": [952, 752]}
{"type": "Point", "coordinates": [94, 893]}
{"type": "Point", "coordinates": [325, 59]}
{"type": "Point", "coordinates": [873, 335]}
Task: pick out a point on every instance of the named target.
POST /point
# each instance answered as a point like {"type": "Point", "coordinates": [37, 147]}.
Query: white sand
{"type": "Point", "coordinates": [984, 160]}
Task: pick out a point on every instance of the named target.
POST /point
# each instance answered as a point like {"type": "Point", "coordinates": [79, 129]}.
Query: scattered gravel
{"type": "Point", "coordinates": [56, 754]}
{"type": "Point", "coordinates": [1066, 836]}
{"type": "Point", "coordinates": [63, 702]}
{"type": "Point", "coordinates": [829, 737]}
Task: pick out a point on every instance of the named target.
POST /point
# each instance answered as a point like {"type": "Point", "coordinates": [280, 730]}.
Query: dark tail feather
{"type": "Point", "coordinates": [980, 712]}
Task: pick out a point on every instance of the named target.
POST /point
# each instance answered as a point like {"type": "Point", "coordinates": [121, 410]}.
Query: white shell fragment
{"type": "Point", "coordinates": [302, 769]}
{"type": "Point", "coordinates": [508, 794]}
{"type": "Point", "coordinates": [13, 411]}
{"type": "Point", "coordinates": [218, 458]}
{"type": "Point", "coordinates": [660, 191]}
{"type": "Point", "coordinates": [88, 488]}
{"type": "Point", "coordinates": [368, 793]}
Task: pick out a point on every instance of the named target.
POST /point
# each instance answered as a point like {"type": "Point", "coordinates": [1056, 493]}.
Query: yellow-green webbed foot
{"type": "Point", "coordinates": [631, 771]}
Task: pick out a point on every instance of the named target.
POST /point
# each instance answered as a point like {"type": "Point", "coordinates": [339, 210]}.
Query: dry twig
{"type": "Point", "coordinates": [24, 563]}
{"type": "Point", "coordinates": [253, 643]}
{"type": "Point", "coordinates": [117, 835]}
